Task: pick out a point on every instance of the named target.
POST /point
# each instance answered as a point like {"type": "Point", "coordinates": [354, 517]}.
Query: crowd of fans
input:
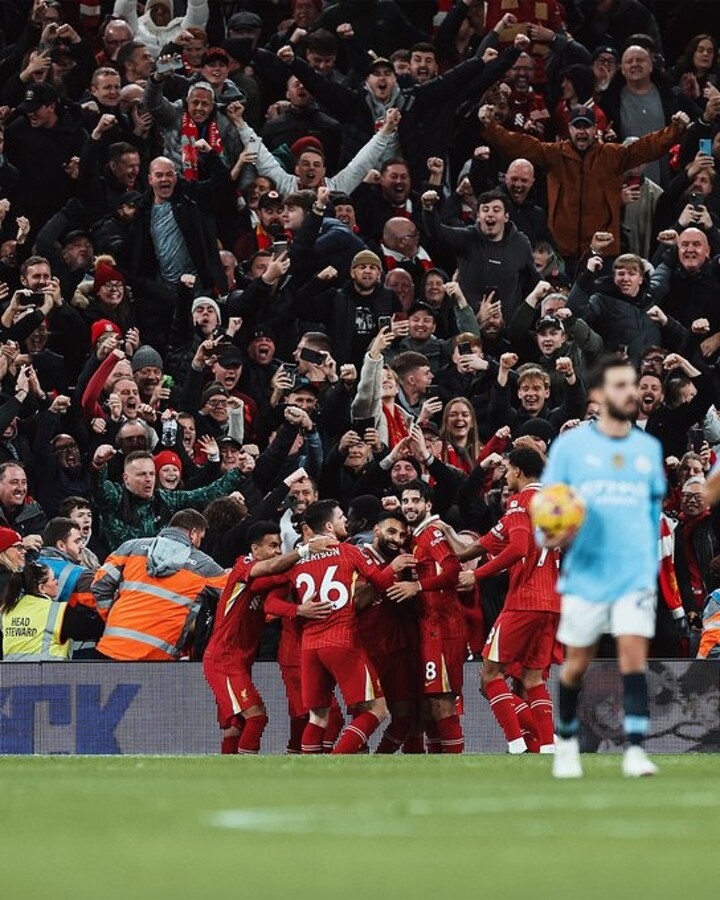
{"type": "Point", "coordinates": [254, 254]}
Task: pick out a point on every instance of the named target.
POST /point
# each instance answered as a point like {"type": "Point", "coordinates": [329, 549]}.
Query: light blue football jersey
{"type": "Point", "coordinates": [622, 482]}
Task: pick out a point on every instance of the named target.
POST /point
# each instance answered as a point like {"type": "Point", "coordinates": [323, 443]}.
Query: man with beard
{"type": "Point", "coordinates": [443, 632]}
{"type": "Point", "coordinates": [490, 253]}
{"type": "Point", "coordinates": [609, 573]}
{"type": "Point", "coordinates": [350, 313]}
{"type": "Point", "coordinates": [392, 196]}
{"type": "Point", "coordinates": [388, 631]}
{"type": "Point", "coordinates": [269, 227]}
{"type": "Point", "coordinates": [59, 468]}
{"type": "Point", "coordinates": [585, 177]}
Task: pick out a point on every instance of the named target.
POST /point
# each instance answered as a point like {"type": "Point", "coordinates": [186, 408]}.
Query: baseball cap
{"type": "Point", "coordinates": [73, 234]}
{"type": "Point", "coordinates": [241, 21]}
{"type": "Point", "coordinates": [607, 50]}
{"type": "Point", "coordinates": [230, 358]}
{"type": "Point", "coordinates": [129, 198]}
{"type": "Point", "coordinates": [419, 306]}
{"type": "Point", "coordinates": [38, 95]}
{"type": "Point", "coordinates": [381, 63]}
{"type": "Point", "coordinates": [262, 331]}
{"type": "Point", "coordinates": [228, 441]}
{"type": "Point", "coordinates": [271, 198]}
{"type": "Point", "coordinates": [549, 322]}
{"type": "Point", "coordinates": [582, 115]}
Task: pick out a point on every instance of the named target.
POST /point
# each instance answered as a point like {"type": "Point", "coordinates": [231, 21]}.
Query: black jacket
{"type": "Point", "coordinates": [195, 205]}
{"type": "Point", "coordinates": [308, 121]}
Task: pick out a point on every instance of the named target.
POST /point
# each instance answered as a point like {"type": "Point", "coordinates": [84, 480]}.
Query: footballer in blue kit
{"type": "Point", "coordinates": [609, 573]}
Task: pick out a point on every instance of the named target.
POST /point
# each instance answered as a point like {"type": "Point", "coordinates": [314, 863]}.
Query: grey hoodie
{"type": "Point", "coordinates": [169, 553]}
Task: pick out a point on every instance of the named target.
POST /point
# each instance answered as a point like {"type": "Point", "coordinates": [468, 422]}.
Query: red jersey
{"type": "Point", "coordinates": [533, 570]}
{"type": "Point", "coordinates": [384, 627]}
{"type": "Point", "coordinates": [332, 575]}
{"type": "Point", "coordinates": [240, 615]}
{"type": "Point", "coordinates": [441, 614]}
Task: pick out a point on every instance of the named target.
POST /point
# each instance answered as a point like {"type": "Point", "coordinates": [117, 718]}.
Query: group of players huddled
{"type": "Point", "coordinates": [385, 623]}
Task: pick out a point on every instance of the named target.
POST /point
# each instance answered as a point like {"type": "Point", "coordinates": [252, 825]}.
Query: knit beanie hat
{"type": "Point", "coordinates": [103, 326]}
{"type": "Point", "coordinates": [104, 272]}
{"type": "Point", "coordinates": [366, 258]}
{"type": "Point", "coordinates": [146, 356]}
{"type": "Point", "coordinates": [206, 301]}
{"type": "Point", "coordinates": [167, 458]}
{"type": "Point", "coordinates": [8, 537]}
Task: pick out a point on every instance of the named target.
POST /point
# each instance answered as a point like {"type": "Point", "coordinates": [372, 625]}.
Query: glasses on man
{"type": "Point", "coordinates": [687, 497]}
{"type": "Point", "coordinates": [63, 448]}
{"type": "Point", "coordinates": [217, 404]}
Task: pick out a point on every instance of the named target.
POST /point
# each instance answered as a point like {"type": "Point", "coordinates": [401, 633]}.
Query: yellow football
{"type": "Point", "coordinates": [557, 510]}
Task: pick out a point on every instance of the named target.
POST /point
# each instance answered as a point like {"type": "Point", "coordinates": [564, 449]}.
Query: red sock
{"type": "Point", "coordinates": [312, 739]}
{"type": "Point", "coordinates": [527, 723]}
{"type": "Point", "coordinates": [395, 736]}
{"type": "Point", "coordinates": [451, 735]}
{"type": "Point", "coordinates": [252, 732]}
{"type": "Point", "coordinates": [541, 707]}
{"type": "Point", "coordinates": [414, 743]}
{"type": "Point", "coordinates": [503, 708]}
{"type": "Point", "coordinates": [336, 723]}
{"type": "Point", "coordinates": [230, 744]}
{"type": "Point", "coordinates": [297, 726]}
{"type": "Point", "coordinates": [432, 737]}
{"type": "Point", "coordinates": [356, 733]}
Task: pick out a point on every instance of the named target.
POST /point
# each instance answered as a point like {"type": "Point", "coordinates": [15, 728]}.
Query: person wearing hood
{"type": "Point", "coordinates": [491, 255]}
{"type": "Point", "coordinates": [158, 26]}
{"type": "Point", "coordinates": [150, 592]}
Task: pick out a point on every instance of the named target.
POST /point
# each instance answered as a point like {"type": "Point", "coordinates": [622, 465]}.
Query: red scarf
{"type": "Point", "coordinates": [396, 425]}
{"type": "Point", "coordinates": [189, 135]}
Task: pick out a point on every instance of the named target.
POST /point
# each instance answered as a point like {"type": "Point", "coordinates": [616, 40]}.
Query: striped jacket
{"type": "Point", "coordinates": [149, 592]}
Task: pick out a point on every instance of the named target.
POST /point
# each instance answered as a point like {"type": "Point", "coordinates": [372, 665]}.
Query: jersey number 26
{"type": "Point", "coordinates": [334, 591]}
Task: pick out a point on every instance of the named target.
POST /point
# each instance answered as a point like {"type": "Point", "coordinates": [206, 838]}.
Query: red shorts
{"type": "Point", "coordinates": [234, 692]}
{"type": "Point", "coordinates": [442, 662]}
{"type": "Point", "coordinates": [293, 691]}
{"type": "Point", "coordinates": [348, 667]}
{"type": "Point", "coordinates": [398, 675]}
{"type": "Point", "coordinates": [524, 638]}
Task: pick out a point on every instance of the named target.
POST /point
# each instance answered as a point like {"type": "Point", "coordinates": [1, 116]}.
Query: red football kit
{"type": "Point", "coordinates": [443, 632]}
{"type": "Point", "coordinates": [524, 632]}
{"type": "Point", "coordinates": [231, 650]}
{"type": "Point", "coordinates": [388, 632]}
{"type": "Point", "coordinates": [331, 649]}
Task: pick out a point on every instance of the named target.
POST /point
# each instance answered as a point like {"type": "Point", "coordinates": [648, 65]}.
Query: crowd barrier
{"type": "Point", "coordinates": [167, 708]}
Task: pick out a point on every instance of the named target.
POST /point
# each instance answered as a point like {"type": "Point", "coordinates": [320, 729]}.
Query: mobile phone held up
{"type": "Point", "coordinates": [30, 298]}
{"type": "Point", "coordinates": [165, 66]}
{"type": "Point", "coordinates": [705, 146]}
{"type": "Point", "coordinates": [314, 357]}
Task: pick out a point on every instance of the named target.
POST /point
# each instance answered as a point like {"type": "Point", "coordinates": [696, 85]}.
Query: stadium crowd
{"type": "Point", "coordinates": [256, 255]}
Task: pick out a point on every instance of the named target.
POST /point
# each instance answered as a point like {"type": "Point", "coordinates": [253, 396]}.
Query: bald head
{"type": "Point", "coordinates": [693, 249]}
{"type": "Point", "coordinates": [401, 235]}
{"type": "Point", "coordinates": [162, 178]}
{"type": "Point", "coordinates": [636, 66]}
{"type": "Point", "coordinates": [519, 179]}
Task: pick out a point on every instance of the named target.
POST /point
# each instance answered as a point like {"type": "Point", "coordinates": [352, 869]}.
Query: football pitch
{"type": "Point", "coordinates": [495, 827]}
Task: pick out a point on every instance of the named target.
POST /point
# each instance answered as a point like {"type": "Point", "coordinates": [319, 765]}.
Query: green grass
{"type": "Point", "coordinates": [496, 828]}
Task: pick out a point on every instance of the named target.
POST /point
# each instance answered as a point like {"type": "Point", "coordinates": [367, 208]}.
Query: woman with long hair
{"type": "Point", "coordinates": [12, 557]}
{"type": "Point", "coordinates": [37, 627]}
{"type": "Point", "coordinates": [106, 297]}
{"type": "Point", "coordinates": [459, 434]}
{"type": "Point", "coordinates": [698, 66]}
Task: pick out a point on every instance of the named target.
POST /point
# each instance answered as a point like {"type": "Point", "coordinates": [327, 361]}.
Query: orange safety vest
{"type": "Point", "coordinates": [149, 617]}
{"type": "Point", "coordinates": [710, 641]}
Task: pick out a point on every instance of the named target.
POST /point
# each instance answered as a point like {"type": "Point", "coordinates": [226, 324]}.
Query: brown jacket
{"type": "Point", "coordinates": [583, 189]}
